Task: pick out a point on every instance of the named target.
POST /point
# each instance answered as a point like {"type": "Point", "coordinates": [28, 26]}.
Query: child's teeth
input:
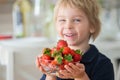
{"type": "Point", "coordinates": [69, 34]}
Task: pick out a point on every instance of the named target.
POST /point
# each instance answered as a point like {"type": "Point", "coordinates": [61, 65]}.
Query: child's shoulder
{"type": "Point", "coordinates": [99, 64]}
{"type": "Point", "coordinates": [100, 57]}
{"type": "Point", "coordinates": [94, 55]}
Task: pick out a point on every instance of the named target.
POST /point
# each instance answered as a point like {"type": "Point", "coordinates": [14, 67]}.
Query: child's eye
{"type": "Point", "coordinates": [76, 20]}
{"type": "Point", "coordinates": [62, 20]}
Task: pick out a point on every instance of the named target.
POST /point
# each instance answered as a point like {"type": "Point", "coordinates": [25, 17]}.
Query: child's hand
{"type": "Point", "coordinates": [48, 77]}
{"type": "Point", "coordinates": [38, 65]}
{"type": "Point", "coordinates": [73, 71]}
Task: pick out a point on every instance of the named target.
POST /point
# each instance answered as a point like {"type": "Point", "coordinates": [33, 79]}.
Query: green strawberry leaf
{"type": "Point", "coordinates": [68, 57]}
{"type": "Point", "coordinates": [79, 52]}
{"type": "Point", "coordinates": [61, 49]}
{"type": "Point", "coordinates": [59, 59]}
{"type": "Point", "coordinates": [56, 53]}
{"type": "Point", "coordinates": [47, 51]}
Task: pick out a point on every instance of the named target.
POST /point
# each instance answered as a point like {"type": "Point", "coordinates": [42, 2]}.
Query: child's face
{"type": "Point", "coordinates": [73, 26]}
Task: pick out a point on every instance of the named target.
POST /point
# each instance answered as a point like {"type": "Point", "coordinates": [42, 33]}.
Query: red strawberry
{"type": "Point", "coordinates": [77, 57]}
{"type": "Point", "coordinates": [54, 49]}
{"type": "Point", "coordinates": [65, 62]}
{"type": "Point", "coordinates": [46, 51]}
{"type": "Point", "coordinates": [54, 62]}
{"type": "Point", "coordinates": [66, 50]}
{"type": "Point", "coordinates": [60, 55]}
{"type": "Point", "coordinates": [55, 52]}
{"type": "Point", "coordinates": [46, 57]}
{"type": "Point", "coordinates": [61, 67]}
{"type": "Point", "coordinates": [62, 43]}
{"type": "Point", "coordinates": [57, 60]}
{"type": "Point", "coordinates": [72, 52]}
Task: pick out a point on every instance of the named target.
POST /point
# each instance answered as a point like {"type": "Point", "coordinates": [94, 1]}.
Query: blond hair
{"type": "Point", "coordinates": [89, 7]}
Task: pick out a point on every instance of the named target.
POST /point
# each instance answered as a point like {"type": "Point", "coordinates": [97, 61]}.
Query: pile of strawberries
{"type": "Point", "coordinates": [60, 55]}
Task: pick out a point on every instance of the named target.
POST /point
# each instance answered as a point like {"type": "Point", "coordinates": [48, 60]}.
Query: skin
{"type": "Point", "coordinates": [73, 26]}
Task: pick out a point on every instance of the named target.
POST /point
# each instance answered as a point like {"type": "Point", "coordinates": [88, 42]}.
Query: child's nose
{"type": "Point", "coordinates": [68, 25]}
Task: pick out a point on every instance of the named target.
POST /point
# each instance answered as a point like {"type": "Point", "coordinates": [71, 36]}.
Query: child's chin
{"type": "Point", "coordinates": [71, 44]}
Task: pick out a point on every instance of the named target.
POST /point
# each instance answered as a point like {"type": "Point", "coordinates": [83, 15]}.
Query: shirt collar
{"type": "Point", "coordinates": [90, 54]}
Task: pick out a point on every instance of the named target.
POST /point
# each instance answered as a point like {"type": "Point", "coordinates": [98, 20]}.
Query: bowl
{"type": "Point", "coordinates": [48, 67]}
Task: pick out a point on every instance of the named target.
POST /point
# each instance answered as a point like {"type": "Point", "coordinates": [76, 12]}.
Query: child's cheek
{"type": "Point", "coordinates": [59, 29]}
{"type": "Point", "coordinates": [59, 32]}
{"type": "Point", "coordinates": [61, 35]}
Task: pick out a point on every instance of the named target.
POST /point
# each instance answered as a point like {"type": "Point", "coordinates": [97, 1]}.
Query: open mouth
{"type": "Point", "coordinates": [69, 35]}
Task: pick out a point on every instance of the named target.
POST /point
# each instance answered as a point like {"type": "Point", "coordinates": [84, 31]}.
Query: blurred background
{"type": "Point", "coordinates": [26, 26]}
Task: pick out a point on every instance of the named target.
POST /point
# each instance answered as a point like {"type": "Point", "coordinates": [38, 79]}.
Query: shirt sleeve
{"type": "Point", "coordinates": [104, 71]}
{"type": "Point", "coordinates": [43, 77]}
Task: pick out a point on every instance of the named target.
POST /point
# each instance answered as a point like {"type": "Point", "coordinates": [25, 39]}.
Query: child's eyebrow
{"type": "Point", "coordinates": [80, 16]}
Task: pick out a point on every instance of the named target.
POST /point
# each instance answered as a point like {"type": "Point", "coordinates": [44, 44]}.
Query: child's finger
{"type": "Point", "coordinates": [72, 67]}
{"type": "Point", "coordinates": [69, 68]}
{"type": "Point", "coordinates": [79, 65]}
{"type": "Point", "coordinates": [64, 74]}
{"type": "Point", "coordinates": [37, 62]}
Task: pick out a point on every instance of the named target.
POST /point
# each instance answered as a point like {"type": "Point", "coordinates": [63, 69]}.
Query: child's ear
{"type": "Point", "coordinates": [92, 29]}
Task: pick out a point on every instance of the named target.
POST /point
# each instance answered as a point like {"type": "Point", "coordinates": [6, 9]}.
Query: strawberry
{"type": "Point", "coordinates": [78, 51]}
{"type": "Point", "coordinates": [72, 52]}
{"type": "Point", "coordinates": [60, 55]}
{"type": "Point", "coordinates": [65, 62]}
{"type": "Point", "coordinates": [46, 51]}
{"type": "Point", "coordinates": [46, 57]}
{"type": "Point", "coordinates": [53, 62]}
{"type": "Point", "coordinates": [55, 52]}
{"type": "Point", "coordinates": [68, 57]}
{"type": "Point", "coordinates": [77, 57]}
{"type": "Point", "coordinates": [59, 59]}
{"type": "Point", "coordinates": [66, 50]}
{"type": "Point", "coordinates": [62, 43]}
{"type": "Point", "coordinates": [61, 67]}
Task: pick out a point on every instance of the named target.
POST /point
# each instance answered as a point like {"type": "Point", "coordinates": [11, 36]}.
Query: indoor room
{"type": "Point", "coordinates": [27, 26]}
